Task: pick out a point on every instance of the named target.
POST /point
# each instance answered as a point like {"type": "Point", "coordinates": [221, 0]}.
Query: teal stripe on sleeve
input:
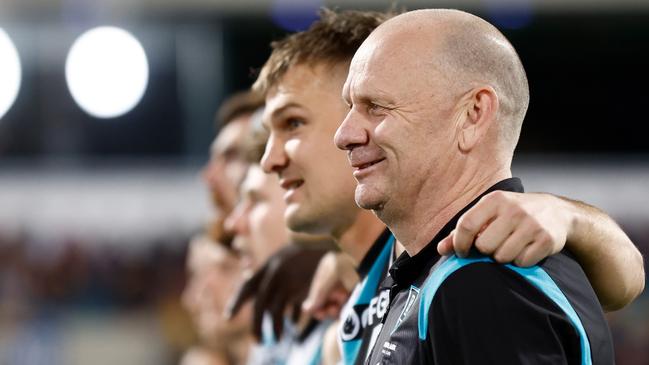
{"type": "Point", "coordinates": [535, 275]}
{"type": "Point", "coordinates": [540, 279]}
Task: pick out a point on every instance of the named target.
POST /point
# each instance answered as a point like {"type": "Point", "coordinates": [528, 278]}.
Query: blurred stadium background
{"type": "Point", "coordinates": [95, 212]}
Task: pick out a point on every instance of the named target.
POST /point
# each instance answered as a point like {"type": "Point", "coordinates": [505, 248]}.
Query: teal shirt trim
{"type": "Point", "coordinates": [535, 275]}
{"type": "Point", "coordinates": [317, 357]}
{"type": "Point", "coordinates": [350, 349]}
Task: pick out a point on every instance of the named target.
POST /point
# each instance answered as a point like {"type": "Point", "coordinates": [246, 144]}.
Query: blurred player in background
{"type": "Point", "coordinates": [214, 270]}
{"type": "Point", "coordinates": [228, 164]}
{"type": "Point", "coordinates": [259, 233]}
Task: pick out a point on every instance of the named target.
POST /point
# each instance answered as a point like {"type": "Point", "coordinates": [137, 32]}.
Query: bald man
{"type": "Point", "coordinates": [437, 99]}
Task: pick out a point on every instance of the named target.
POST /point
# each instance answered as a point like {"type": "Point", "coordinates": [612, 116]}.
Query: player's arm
{"type": "Point", "coordinates": [330, 349]}
{"type": "Point", "coordinates": [525, 228]}
{"type": "Point", "coordinates": [333, 281]}
{"type": "Point", "coordinates": [278, 287]}
{"type": "Point", "coordinates": [612, 262]}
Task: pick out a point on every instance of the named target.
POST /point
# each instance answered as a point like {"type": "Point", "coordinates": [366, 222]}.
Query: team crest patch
{"type": "Point", "coordinates": [412, 297]}
{"type": "Point", "coordinates": [351, 328]}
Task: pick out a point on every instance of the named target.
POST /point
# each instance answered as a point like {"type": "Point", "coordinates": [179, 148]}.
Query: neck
{"type": "Point", "coordinates": [430, 213]}
{"type": "Point", "coordinates": [240, 349]}
{"type": "Point", "coordinates": [358, 238]}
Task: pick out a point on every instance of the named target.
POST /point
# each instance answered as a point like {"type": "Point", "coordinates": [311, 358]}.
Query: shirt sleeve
{"type": "Point", "coordinates": [485, 313]}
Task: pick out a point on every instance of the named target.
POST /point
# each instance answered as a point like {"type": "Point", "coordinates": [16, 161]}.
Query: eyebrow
{"type": "Point", "coordinates": [283, 108]}
{"type": "Point", "coordinates": [360, 99]}
{"type": "Point", "coordinates": [346, 99]}
{"type": "Point", "coordinates": [377, 99]}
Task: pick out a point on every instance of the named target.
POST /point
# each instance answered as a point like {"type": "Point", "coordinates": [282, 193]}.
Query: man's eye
{"type": "Point", "coordinates": [231, 155]}
{"type": "Point", "coordinates": [373, 108]}
{"type": "Point", "coordinates": [293, 123]}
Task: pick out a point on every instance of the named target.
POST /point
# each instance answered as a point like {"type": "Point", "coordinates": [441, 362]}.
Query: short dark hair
{"type": "Point", "coordinates": [333, 39]}
{"type": "Point", "coordinates": [238, 104]}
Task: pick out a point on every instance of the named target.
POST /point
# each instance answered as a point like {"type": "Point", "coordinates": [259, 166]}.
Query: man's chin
{"type": "Point", "coordinates": [301, 220]}
{"type": "Point", "coordinates": [296, 222]}
{"type": "Point", "coordinates": [368, 200]}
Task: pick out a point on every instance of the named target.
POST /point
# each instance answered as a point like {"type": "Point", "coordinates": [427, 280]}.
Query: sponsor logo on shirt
{"type": "Point", "coordinates": [412, 297]}
{"type": "Point", "coordinates": [388, 348]}
{"type": "Point", "coordinates": [362, 316]}
{"type": "Point", "coordinates": [351, 328]}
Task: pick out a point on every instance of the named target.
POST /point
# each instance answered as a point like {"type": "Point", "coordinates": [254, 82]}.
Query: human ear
{"type": "Point", "coordinates": [480, 109]}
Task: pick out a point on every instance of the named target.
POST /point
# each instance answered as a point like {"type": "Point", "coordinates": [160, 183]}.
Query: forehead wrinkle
{"type": "Point", "coordinates": [379, 90]}
{"type": "Point", "coordinates": [379, 67]}
{"type": "Point", "coordinates": [367, 86]}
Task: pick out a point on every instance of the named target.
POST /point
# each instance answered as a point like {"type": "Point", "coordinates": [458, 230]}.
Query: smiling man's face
{"type": "Point", "coordinates": [302, 114]}
{"type": "Point", "coordinates": [400, 130]}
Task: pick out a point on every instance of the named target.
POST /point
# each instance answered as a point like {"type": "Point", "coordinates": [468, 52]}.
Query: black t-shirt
{"type": "Point", "coordinates": [474, 311]}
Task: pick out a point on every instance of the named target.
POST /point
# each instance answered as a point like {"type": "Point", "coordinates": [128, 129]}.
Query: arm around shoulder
{"type": "Point", "coordinates": [330, 350]}
{"type": "Point", "coordinates": [612, 262]}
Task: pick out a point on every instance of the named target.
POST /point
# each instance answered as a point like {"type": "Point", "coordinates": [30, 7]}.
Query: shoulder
{"type": "Point", "coordinates": [492, 286]}
{"type": "Point", "coordinates": [491, 294]}
{"type": "Point", "coordinates": [488, 313]}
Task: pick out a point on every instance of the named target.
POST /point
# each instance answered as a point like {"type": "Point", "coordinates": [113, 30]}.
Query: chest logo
{"type": "Point", "coordinates": [413, 293]}
{"type": "Point", "coordinates": [351, 327]}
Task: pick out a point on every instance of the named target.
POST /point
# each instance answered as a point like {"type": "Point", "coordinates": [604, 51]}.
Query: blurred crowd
{"type": "Point", "coordinates": [43, 284]}
{"type": "Point", "coordinates": [39, 288]}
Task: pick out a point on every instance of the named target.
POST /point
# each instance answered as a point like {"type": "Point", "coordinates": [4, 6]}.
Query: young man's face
{"type": "Point", "coordinates": [302, 114]}
{"type": "Point", "coordinates": [257, 220]}
{"type": "Point", "coordinates": [227, 166]}
{"type": "Point", "coordinates": [213, 273]}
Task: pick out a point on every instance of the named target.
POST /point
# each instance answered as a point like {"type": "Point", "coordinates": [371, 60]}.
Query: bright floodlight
{"type": "Point", "coordinates": [107, 72]}
{"type": "Point", "coordinates": [10, 73]}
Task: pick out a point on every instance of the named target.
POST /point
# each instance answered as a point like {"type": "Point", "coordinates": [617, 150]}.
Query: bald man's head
{"type": "Point", "coordinates": [437, 99]}
{"type": "Point", "coordinates": [461, 51]}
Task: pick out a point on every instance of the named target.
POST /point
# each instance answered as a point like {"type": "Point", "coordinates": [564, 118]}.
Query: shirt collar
{"type": "Point", "coordinates": [406, 269]}
{"type": "Point", "coordinates": [373, 253]}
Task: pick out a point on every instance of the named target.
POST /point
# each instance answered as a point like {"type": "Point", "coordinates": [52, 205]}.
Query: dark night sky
{"type": "Point", "coordinates": [587, 72]}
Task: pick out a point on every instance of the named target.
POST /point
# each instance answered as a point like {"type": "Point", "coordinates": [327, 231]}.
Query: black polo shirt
{"type": "Point", "coordinates": [485, 313]}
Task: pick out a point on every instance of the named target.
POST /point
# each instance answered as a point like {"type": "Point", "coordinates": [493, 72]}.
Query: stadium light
{"type": "Point", "coordinates": [107, 72]}
{"type": "Point", "coordinates": [10, 73]}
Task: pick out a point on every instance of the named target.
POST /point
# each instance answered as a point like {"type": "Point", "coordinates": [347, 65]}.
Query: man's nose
{"type": "Point", "coordinates": [351, 132]}
{"type": "Point", "coordinates": [235, 222]}
{"type": "Point", "coordinates": [274, 158]}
